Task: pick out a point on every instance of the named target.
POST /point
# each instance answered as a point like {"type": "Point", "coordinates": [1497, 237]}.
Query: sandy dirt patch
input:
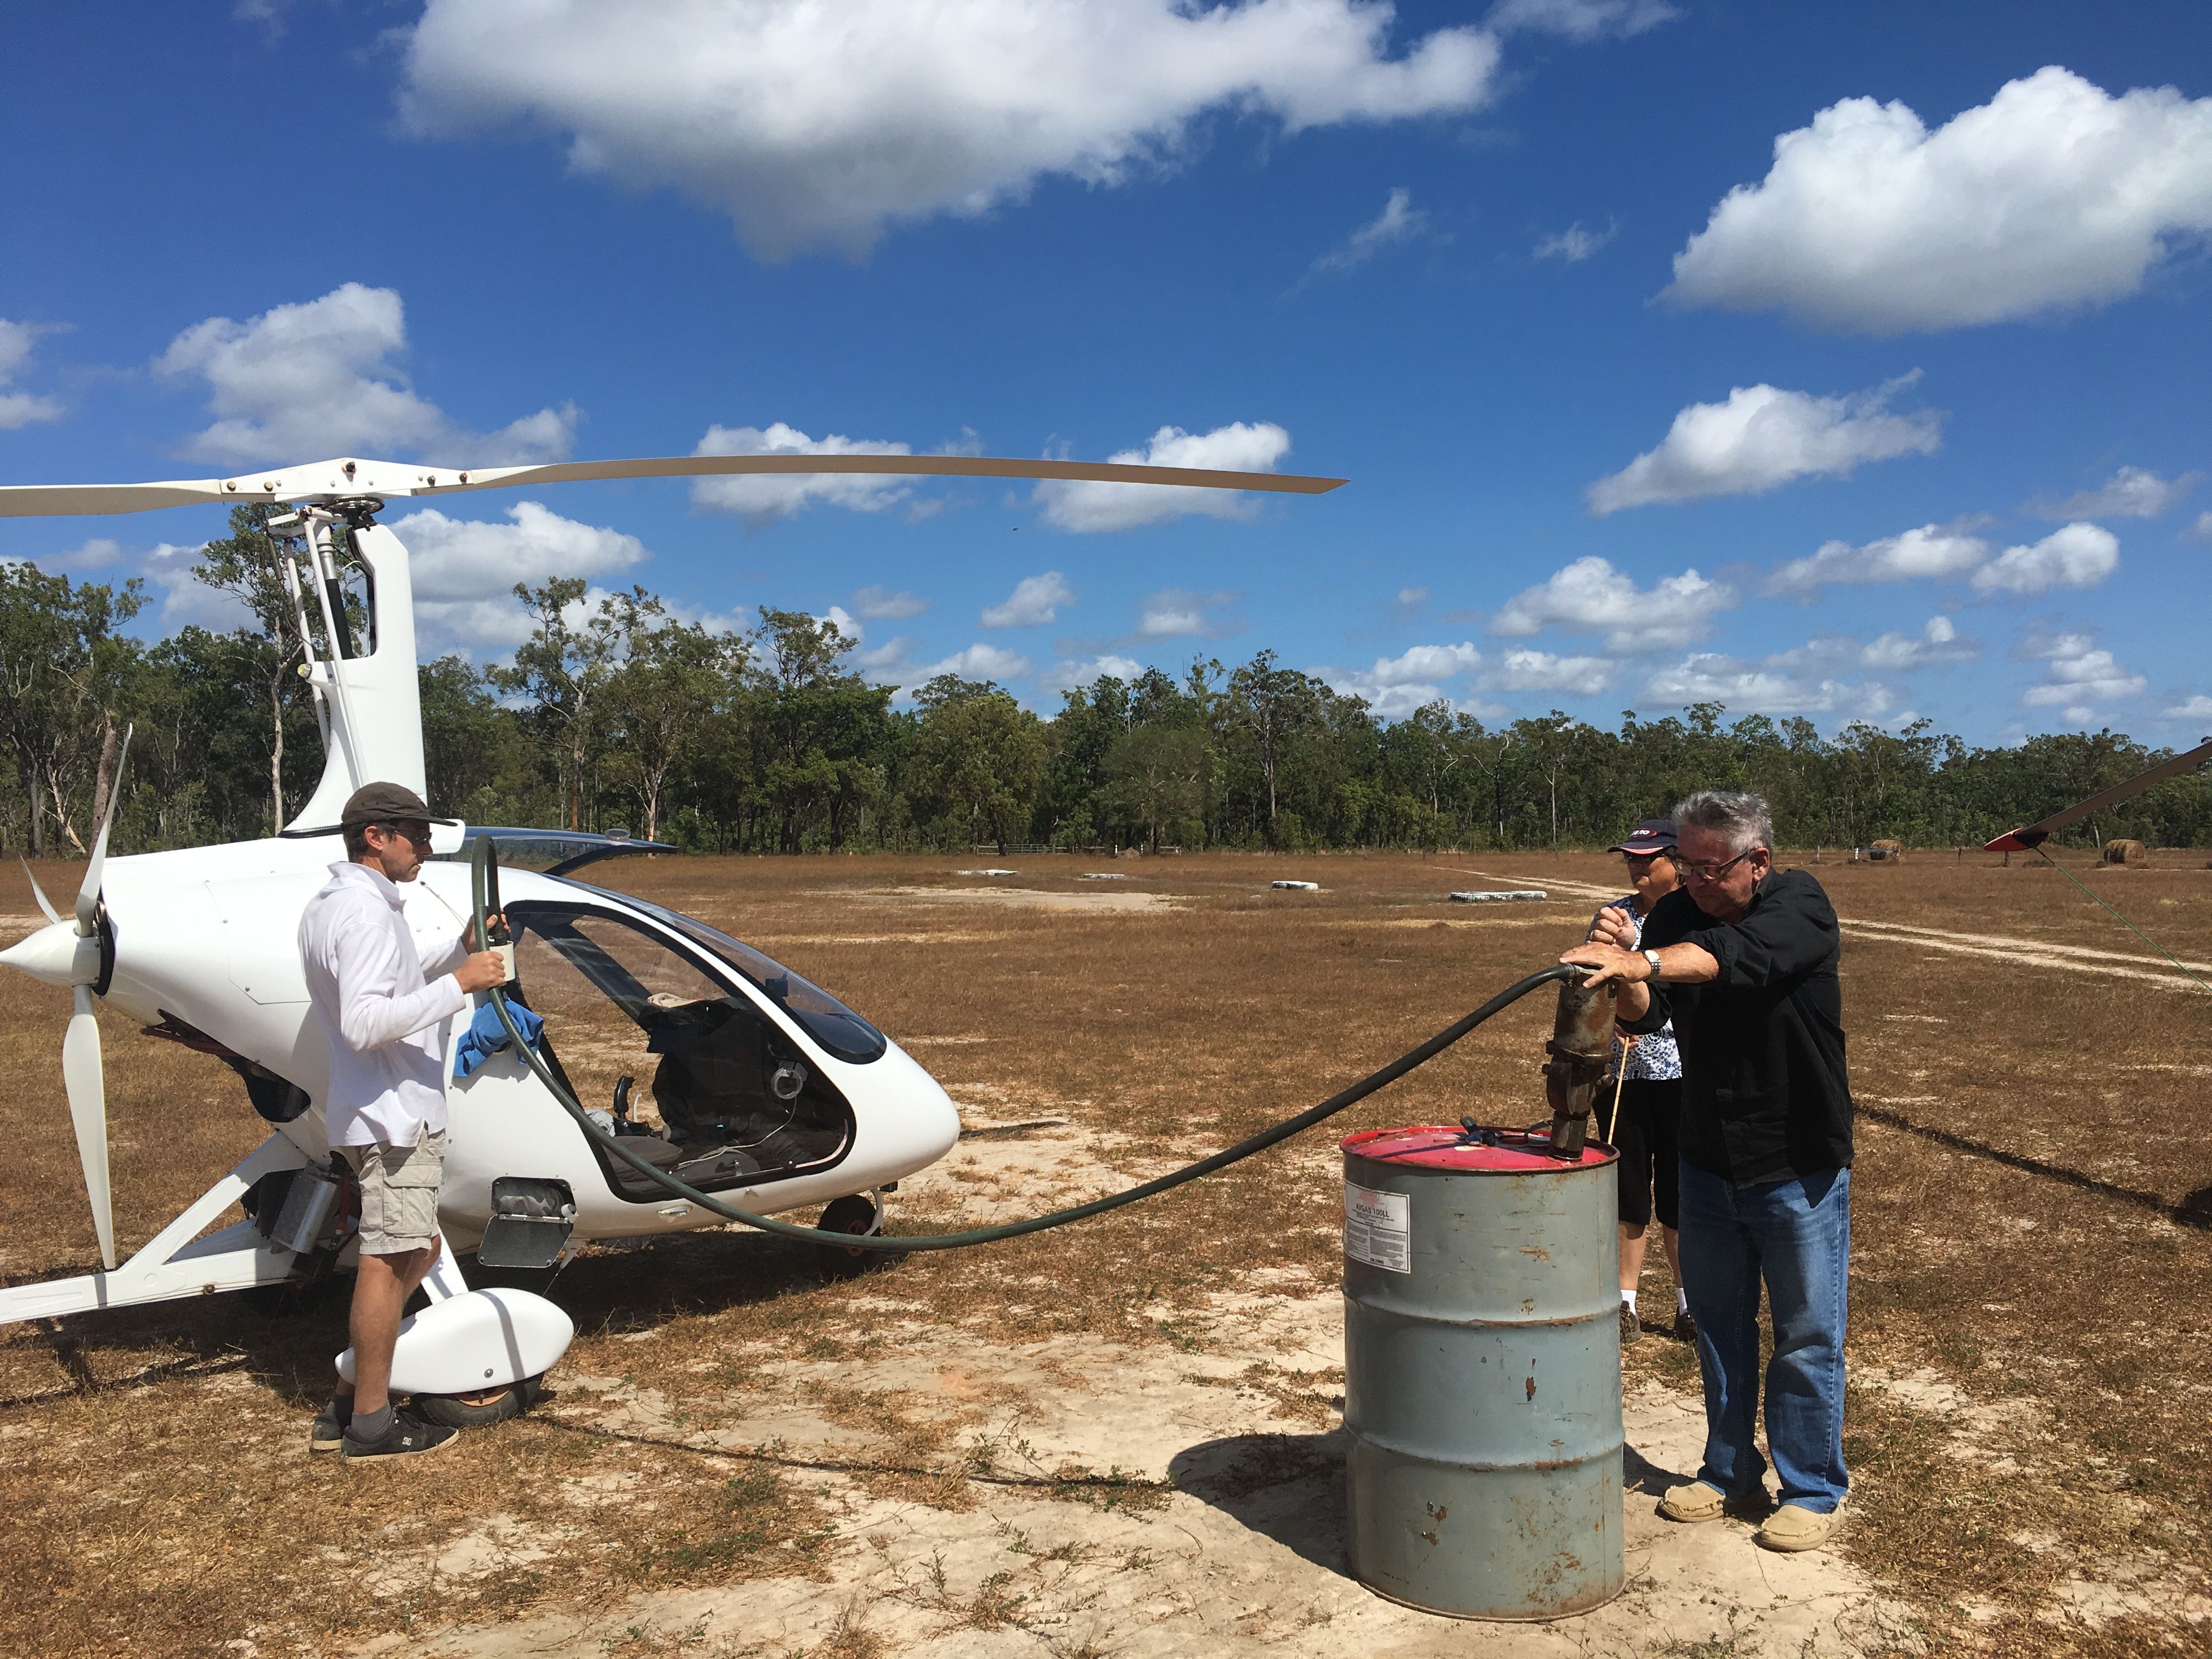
{"type": "Point", "coordinates": [1029, 899]}
{"type": "Point", "coordinates": [1236, 1547]}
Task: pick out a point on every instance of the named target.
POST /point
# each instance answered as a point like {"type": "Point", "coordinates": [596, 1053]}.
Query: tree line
{"type": "Point", "coordinates": [619, 714]}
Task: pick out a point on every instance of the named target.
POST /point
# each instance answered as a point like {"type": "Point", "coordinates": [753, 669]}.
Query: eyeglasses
{"type": "Point", "coordinates": [418, 832]}
{"type": "Point", "coordinates": [1640, 859]}
{"type": "Point", "coordinates": [1715, 871]}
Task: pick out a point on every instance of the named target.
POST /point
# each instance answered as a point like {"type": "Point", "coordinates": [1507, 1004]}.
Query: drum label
{"type": "Point", "coordinates": [1378, 1227]}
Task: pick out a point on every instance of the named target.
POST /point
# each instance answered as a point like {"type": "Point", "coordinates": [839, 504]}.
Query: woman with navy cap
{"type": "Point", "coordinates": [1646, 1131]}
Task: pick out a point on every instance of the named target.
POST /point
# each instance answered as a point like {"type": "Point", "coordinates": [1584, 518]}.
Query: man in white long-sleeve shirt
{"type": "Point", "coordinates": [385, 1110]}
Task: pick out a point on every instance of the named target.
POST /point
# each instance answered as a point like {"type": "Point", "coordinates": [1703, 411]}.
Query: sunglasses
{"type": "Point", "coordinates": [416, 832]}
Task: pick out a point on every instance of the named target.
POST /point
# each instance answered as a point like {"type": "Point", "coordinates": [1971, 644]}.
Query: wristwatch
{"type": "Point", "coordinates": [1652, 957]}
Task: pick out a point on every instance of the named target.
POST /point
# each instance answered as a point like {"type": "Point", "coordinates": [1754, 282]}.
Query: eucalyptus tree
{"type": "Point", "coordinates": [64, 675]}
{"type": "Point", "coordinates": [978, 756]}
{"type": "Point", "coordinates": [563, 668]}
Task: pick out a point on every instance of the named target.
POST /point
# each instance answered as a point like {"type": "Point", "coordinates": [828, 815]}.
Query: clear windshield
{"type": "Point", "coordinates": [820, 1015]}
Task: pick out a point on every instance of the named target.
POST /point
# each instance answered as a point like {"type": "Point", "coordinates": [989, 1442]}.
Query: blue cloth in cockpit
{"type": "Point", "coordinates": [486, 1036]}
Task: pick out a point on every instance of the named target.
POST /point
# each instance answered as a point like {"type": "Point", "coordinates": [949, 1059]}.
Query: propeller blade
{"type": "Point", "coordinates": [87, 1083]}
{"type": "Point", "coordinates": [87, 896]}
{"type": "Point", "coordinates": [398, 478]}
{"type": "Point", "coordinates": [37, 892]}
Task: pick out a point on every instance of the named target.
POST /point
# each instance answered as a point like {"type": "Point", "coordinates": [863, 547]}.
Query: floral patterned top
{"type": "Point", "coordinates": [1654, 1058]}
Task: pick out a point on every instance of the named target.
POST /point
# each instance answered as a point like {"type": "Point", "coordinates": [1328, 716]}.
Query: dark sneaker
{"type": "Point", "coordinates": [1631, 1329]}
{"type": "Point", "coordinates": [409, 1436]}
{"type": "Point", "coordinates": [327, 1432]}
{"type": "Point", "coordinates": [1686, 1329]}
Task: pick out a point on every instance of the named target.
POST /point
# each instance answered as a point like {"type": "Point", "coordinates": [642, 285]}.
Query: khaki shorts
{"type": "Point", "coordinates": [398, 1193]}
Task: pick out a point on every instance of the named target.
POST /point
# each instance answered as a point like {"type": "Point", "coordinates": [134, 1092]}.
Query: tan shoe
{"type": "Point", "coordinates": [1695, 1501]}
{"type": "Point", "coordinates": [1793, 1526]}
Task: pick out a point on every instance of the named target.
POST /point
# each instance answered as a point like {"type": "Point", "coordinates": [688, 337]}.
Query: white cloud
{"type": "Point", "coordinates": [2201, 530]}
{"type": "Point", "coordinates": [1034, 601]}
{"type": "Point", "coordinates": [1590, 597]}
{"type": "Point", "coordinates": [2075, 556]}
{"type": "Point", "coordinates": [97, 553]}
{"type": "Point", "coordinates": [1770, 687]}
{"type": "Point", "coordinates": [763, 499]}
{"type": "Point", "coordinates": [1238, 448]}
{"type": "Point", "coordinates": [2198, 707]}
{"type": "Point", "coordinates": [20, 409]}
{"type": "Point", "coordinates": [1930, 551]}
{"type": "Point", "coordinates": [1410, 601]}
{"type": "Point", "coordinates": [977, 662]}
{"type": "Point", "coordinates": [301, 382]}
{"type": "Point", "coordinates": [2133, 492]}
{"type": "Point", "coordinates": [464, 569]}
{"type": "Point", "coordinates": [2051, 195]}
{"type": "Point", "coordinates": [1174, 612]}
{"type": "Point", "coordinates": [1425, 664]}
{"type": "Point", "coordinates": [877, 603]}
{"type": "Point", "coordinates": [817, 126]}
{"type": "Point", "coordinates": [1070, 675]}
{"type": "Point", "coordinates": [1399, 222]}
{"type": "Point", "coordinates": [1524, 670]}
{"type": "Point", "coordinates": [1574, 244]}
{"type": "Point", "coordinates": [1763, 437]}
{"type": "Point", "coordinates": [2077, 677]}
{"type": "Point", "coordinates": [1938, 642]}
{"type": "Point", "coordinates": [1580, 20]}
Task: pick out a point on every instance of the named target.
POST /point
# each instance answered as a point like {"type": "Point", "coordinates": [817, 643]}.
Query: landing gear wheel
{"type": "Point", "coordinates": [853, 1213]}
{"type": "Point", "coordinates": [478, 1410]}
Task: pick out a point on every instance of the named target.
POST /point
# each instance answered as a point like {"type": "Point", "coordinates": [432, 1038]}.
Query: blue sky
{"type": "Point", "coordinates": [1843, 361]}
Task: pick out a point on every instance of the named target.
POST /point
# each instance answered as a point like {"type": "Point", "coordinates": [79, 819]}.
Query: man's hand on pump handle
{"type": "Point", "coordinates": [1613, 958]}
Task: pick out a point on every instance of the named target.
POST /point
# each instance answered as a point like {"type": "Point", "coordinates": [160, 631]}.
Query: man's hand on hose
{"type": "Point", "coordinates": [481, 971]}
{"type": "Point", "coordinates": [1609, 964]}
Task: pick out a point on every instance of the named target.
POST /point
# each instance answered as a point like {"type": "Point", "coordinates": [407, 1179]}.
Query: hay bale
{"type": "Point", "coordinates": [1886, 850]}
{"type": "Point", "coordinates": [2121, 850]}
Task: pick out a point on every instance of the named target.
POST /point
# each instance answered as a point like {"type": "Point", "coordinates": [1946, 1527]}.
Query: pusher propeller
{"type": "Point", "coordinates": [75, 954]}
{"type": "Point", "coordinates": [391, 479]}
{"type": "Point", "coordinates": [45, 904]}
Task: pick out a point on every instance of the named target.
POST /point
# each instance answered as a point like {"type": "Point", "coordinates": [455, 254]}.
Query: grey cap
{"type": "Point", "coordinates": [385, 803]}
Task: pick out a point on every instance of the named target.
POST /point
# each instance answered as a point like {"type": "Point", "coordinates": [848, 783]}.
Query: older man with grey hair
{"type": "Point", "coordinates": [1742, 957]}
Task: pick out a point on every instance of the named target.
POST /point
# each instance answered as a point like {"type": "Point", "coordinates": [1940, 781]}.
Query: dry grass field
{"type": "Point", "coordinates": [1119, 1438]}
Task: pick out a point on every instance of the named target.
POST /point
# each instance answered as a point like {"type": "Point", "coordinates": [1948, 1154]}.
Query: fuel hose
{"type": "Point", "coordinates": [484, 878]}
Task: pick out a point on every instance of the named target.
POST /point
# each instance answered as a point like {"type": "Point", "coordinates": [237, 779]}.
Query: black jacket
{"type": "Point", "coordinates": [1764, 1094]}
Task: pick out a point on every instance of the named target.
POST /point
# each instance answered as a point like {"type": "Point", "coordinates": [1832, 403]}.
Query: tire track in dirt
{"type": "Point", "coordinates": [2018, 952]}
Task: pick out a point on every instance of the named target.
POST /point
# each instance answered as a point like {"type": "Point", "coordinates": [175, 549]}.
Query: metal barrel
{"type": "Point", "coordinates": [1482, 1372]}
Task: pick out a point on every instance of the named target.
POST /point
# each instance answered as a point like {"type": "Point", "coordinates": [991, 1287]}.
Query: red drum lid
{"type": "Point", "coordinates": [1515, 1152]}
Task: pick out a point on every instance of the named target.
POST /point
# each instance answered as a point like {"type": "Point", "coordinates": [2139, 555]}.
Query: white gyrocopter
{"type": "Point", "coordinates": [769, 1093]}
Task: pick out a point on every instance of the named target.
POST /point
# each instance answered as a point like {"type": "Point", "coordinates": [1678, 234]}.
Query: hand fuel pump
{"type": "Point", "coordinates": [1482, 1350]}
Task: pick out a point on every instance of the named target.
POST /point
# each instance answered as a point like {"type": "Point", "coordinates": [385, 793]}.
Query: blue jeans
{"type": "Point", "coordinates": [1795, 1234]}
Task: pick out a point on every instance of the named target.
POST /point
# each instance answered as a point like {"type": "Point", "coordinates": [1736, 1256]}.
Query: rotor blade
{"type": "Point", "coordinates": [87, 896]}
{"type": "Point", "coordinates": [917, 466]}
{"type": "Point", "coordinates": [37, 892]}
{"type": "Point", "coordinates": [83, 1077]}
{"type": "Point", "coordinates": [332, 479]}
{"type": "Point", "coordinates": [2019, 840]}
{"type": "Point", "coordinates": [55, 501]}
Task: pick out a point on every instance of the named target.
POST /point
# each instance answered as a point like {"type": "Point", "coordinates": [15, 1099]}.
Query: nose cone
{"type": "Point", "coordinates": [57, 954]}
